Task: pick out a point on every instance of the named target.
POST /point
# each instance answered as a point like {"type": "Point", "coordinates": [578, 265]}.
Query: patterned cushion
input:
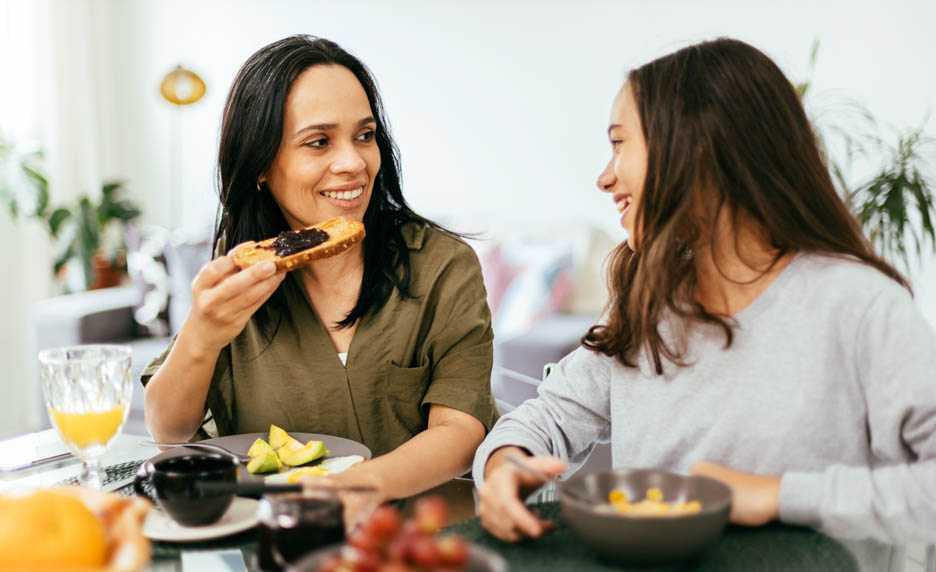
{"type": "Point", "coordinates": [526, 280]}
{"type": "Point", "coordinates": [589, 289]}
{"type": "Point", "coordinates": [186, 253]}
{"type": "Point", "coordinates": [146, 265]}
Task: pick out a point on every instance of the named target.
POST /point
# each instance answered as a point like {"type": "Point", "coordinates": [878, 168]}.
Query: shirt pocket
{"type": "Point", "coordinates": [406, 387]}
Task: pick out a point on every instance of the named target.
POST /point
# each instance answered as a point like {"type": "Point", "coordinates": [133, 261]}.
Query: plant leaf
{"type": "Point", "coordinates": [56, 219]}
{"type": "Point", "coordinates": [110, 188]}
{"type": "Point", "coordinates": [62, 259]}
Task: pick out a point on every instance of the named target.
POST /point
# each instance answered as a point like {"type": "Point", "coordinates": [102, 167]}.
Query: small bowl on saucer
{"type": "Point", "coordinates": [178, 485]}
{"type": "Point", "coordinates": [640, 539]}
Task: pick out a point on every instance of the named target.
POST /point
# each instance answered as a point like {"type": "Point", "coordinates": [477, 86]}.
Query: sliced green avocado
{"type": "Point", "coordinates": [265, 462]}
{"type": "Point", "coordinates": [258, 447]}
{"type": "Point", "coordinates": [278, 437]}
{"type": "Point", "coordinates": [294, 453]}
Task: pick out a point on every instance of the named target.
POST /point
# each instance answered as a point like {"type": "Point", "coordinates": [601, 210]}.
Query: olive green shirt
{"type": "Point", "coordinates": [436, 347]}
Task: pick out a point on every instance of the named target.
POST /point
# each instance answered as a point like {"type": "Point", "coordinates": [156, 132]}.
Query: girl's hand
{"type": "Point", "coordinates": [756, 497]}
{"type": "Point", "coordinates": [500, 503]}
{"type": "Point", "coordinates": [223, 299]}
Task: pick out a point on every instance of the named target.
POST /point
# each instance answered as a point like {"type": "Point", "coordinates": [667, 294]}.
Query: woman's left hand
{"type": "Point", "coordinates": [756, 497]}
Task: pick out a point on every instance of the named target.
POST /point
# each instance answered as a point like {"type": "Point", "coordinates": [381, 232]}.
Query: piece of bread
{"type": "Point", "coordinates": [343, 234]}
{"type": "Point", "coordinates": [123, 519]}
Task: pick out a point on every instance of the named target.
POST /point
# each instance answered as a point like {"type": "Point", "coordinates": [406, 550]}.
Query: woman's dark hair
{"type": "Point", "coordinates": [251, 132]}
{"type": "Point", "coordinates": [724, 129]}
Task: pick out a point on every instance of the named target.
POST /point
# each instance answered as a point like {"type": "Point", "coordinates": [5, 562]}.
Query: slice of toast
{"type": "Point", "coordinates": [342, 235]}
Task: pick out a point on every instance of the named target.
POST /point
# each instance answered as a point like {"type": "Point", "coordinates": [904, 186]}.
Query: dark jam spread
{"type": "Point", "coordinates": [293, 241]}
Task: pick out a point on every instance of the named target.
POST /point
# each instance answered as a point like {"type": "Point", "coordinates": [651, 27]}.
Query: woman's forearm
{"type": "Point", "coordinates": [438, 454]}
{"type": "Point", "coordinates": [175, 397]}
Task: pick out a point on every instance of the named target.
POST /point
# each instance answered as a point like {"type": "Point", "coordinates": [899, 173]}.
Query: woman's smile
{"type": "Point", "coordinates": [623, 204]}
{"type": "Point", "coordinates": [346, 196]}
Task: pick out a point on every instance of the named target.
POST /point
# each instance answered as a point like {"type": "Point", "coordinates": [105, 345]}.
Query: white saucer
{"type": "Point", "coordinates": [241, 515]}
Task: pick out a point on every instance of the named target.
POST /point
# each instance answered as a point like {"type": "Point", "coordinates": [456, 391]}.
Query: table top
{"type": "Point", "coordinates": [45, 443]}
{"type": "Point", "coordinates": [775, 547]}
{"type": "Point", "coordinates": [772, 548]}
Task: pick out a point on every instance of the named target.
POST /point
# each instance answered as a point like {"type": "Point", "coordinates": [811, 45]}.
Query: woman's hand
{"type": "Point", "coordinates": [360, 490]}
{"type": "Point", "coordinates": [500, 504]}
{"type": "Point", "coordinates": [756, 497]}
{"type": "Point", "coordinates": [223, 300]}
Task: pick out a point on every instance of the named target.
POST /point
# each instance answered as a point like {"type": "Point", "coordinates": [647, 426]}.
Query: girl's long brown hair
{"type": "Point", "coordinates": [723, 127]}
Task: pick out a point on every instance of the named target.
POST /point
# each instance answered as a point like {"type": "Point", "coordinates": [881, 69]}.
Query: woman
{"type": "Point", "coordinates": [389, 344]}
{"type": "Point", "coordinates": [752, 335]}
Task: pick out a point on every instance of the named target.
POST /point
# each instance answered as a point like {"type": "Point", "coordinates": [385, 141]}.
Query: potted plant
{"type": "Point", "coordinates": [23, 187]}
{"type": "Point", "coordinates": [88, 234]}
{"type": "Point", "coordinates": [92, 234]}
{"type": "Point", "coordinates": [894, 199]}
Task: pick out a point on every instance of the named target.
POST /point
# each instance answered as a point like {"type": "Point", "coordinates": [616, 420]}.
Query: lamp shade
{"type": "Point", "coordinates": [182, 87]}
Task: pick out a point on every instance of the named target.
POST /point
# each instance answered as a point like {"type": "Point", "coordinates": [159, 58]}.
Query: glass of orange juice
{"type": "Point", "coordinates": [87, 392]}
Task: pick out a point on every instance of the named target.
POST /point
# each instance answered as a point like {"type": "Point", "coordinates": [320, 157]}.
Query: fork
{"type": "Point", "coordinates": [210, 446]}
{"type": "Point", "coordinates": [547, 480]}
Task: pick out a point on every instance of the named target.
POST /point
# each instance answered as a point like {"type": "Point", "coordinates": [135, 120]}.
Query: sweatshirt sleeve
{"type": "Point", "coordinates": [894, 499]}
{"type": "Point", "coordinates": [570, 414]}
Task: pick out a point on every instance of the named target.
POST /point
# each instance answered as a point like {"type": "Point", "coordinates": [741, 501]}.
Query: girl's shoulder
{"type": "Point", "coordinates": [844, 274]}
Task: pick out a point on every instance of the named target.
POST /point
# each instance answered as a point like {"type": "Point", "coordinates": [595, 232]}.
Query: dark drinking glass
{"type": "Point", "coordinates": [294, 524]}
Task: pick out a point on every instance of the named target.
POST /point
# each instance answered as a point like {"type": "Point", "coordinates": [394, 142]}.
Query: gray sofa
{"type": "Point", "coordinates": [97, 316]}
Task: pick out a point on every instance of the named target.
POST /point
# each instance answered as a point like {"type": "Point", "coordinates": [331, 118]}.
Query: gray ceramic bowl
{"type": "Point", "coordinates": [644, 540]}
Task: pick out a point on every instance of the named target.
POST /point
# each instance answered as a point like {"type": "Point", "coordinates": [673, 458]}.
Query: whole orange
{"type": "Point", "coordinates": [47, 530]}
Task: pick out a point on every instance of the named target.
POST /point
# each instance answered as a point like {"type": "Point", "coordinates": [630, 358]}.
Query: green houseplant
{"type": "Point", "coordinates": [23, 186]}
{"type": "Point", "coordinates": [88, 232]}
{"type": "Point", "coordinates": [893, 198]}
{"type": "Point", "coordinates": [91, 232]}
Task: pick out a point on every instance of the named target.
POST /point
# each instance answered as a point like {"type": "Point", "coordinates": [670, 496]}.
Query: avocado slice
{"type": "Point", "coordinates": [259, 446]}
{"type": "Point", "coordinates": [265, 462]}
{"type": "Point", "coordinates": [278, 437]}
{"type": "Point", "coordinates": [263, 459]}
{"type": "Point", "coordinates": [294, 453]}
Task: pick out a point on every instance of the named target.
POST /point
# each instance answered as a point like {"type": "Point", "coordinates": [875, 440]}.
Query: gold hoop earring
{"type": "Point", "coordinates": [258, 186]}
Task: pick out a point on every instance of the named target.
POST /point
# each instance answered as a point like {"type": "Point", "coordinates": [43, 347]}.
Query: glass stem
{"type": "Point", "coordinates": [92, 476]}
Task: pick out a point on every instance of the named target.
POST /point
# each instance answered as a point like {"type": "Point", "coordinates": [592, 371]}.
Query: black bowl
{"type": "Point", "coordinates": [644, 540]}
{"type": "Point", "coordinates": [178, 486]}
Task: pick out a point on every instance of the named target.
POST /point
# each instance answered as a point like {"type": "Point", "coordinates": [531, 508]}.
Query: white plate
{"type": "Point", "coordinates": [241, 515]}
{"type": "Point", "coordinates": [240, 444]}
{"type": "Point", "coordinates": [333, 466]}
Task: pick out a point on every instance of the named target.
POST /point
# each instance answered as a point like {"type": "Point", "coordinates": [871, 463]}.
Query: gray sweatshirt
{"type": "Point", "coordinates": [830, 382]}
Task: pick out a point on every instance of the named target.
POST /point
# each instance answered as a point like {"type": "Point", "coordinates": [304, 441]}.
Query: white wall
{"type": "Point", "coordinates": [26, 275]}
{"type": "Point", "coordinates": [499, 107]}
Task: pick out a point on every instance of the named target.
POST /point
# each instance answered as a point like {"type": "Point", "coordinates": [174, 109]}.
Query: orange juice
{"type": "Point", "coordinates": [82, 430]}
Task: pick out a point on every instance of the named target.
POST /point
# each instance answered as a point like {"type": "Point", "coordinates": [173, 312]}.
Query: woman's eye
{"type": "Point", "coordinates": [615, 143]}
{"type": "Point", "coordinates": [317, 143]}
{"type": "Point", "coordinates": [367, 136]}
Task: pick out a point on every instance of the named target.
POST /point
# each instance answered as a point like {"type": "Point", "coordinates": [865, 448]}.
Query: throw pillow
{"type": "Point", "coordinates": [589, 290]}
{"type": "Point", "coordinates": [539, 281]}
{"type": "Point", "coordinates": [146, 265]}
{"type": "Point", "coordinates": [497, 274]}
{"type": "Point", "coordinates": [186, 253]}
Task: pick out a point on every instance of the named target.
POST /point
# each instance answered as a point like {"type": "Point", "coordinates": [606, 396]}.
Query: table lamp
{"type": "Point", "coordinates": [179, 87]}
